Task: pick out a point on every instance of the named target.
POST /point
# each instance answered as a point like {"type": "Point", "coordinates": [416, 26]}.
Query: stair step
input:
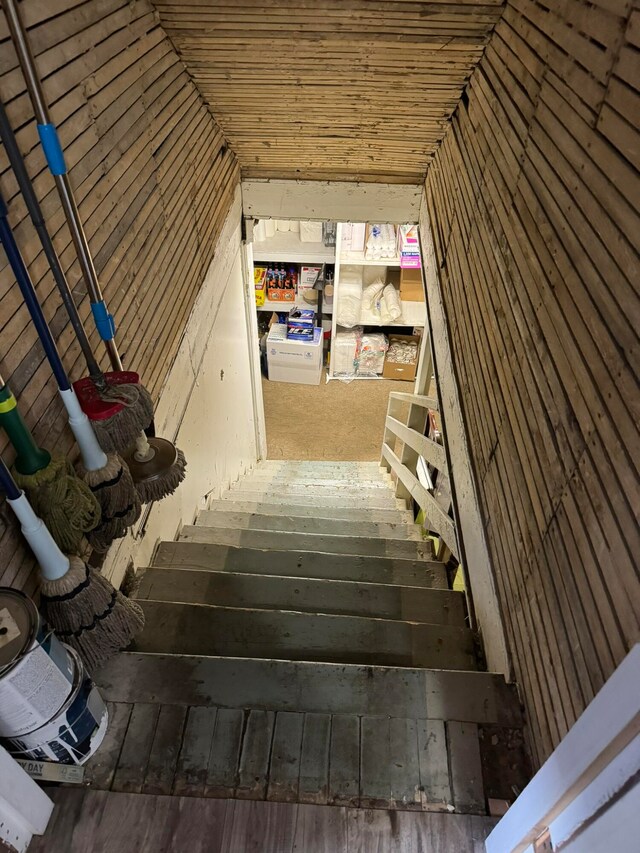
{"type": "Point", "coordinates": [317, 465]}
{"type": "Point", "coordinates": [200, 629]}
{"type": "Point", "coordinates": [268, 592]}
{"type": "Point", "coordinates": [358, 513]}
{"type": "Point", "coordinates": [324, 688]}
{"type": "Point", "coordinates": [379, 500]}
{"type": "Point", "coordinates": [300, 524]}
{"type": "Point", "coordinates": [198, 555]}
{"type": "Point", "coordinates": [288, 541]}
{"type": "Point", "coordinates": [311, 481]}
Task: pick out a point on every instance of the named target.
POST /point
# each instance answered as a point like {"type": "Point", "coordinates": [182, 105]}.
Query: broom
{"type": "Point", "coordinates": [60, 497]}
{"type": "Point", "coordinates": [119, 406]}
{"type": "Point", "coordinates": [156, 465]}
{"type": "Point", "coordinates": [107, 477]}
{"type": "Point", "coordinates": [80, 604]}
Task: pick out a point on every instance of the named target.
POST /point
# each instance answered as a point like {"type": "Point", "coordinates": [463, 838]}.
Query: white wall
{"type": "Point", "coordinates": [206, 404]}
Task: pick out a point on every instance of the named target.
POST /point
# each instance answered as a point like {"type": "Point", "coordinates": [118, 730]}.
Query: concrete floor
{"type": "Point", "coordinates": [334, 420]}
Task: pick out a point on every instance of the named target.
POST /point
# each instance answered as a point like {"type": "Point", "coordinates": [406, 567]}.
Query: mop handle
{"type": "Point", "coordinates": [35, 212]}
{"type": "Point", "coordinates": [55, 161]}
{"type": "Point", "coordinates": [28, 294]}
{"type": "Point", "coordinates": [29, 457]}
{"type": "Point", "coordinates": [93, 456]}
{"type": "Point", "coordinates": [53, 563]}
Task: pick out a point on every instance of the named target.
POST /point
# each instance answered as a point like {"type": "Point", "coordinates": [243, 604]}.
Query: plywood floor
{"type": "Point", "coordinates": [333, 420]}
{"type": "Point", "coordinates": [107, 822]}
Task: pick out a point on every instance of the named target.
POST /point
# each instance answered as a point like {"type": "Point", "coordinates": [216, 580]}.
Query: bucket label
{"type": "Point", "coordinates": [34, 690]}
{"type": "Point", "coordinates": [9, 630]}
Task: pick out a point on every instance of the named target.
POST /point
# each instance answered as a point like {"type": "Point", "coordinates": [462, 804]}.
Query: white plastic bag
{"type": "Point", "coordinates": [373, 347]}
{"type": "Point", "coordinates": [345, 352]}
{"type": "Point", "coordinates": [391, 303]}
{"type": "Point", "coordinates": [350, 296]}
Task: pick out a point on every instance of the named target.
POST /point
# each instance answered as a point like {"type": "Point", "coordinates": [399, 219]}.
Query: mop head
{"type": "Point", "coordinates": [164, 484]}
{"type": "Point", "coordinates": [63, 501]}
{"type": "Point", "coordinates": [117, 433]}
{"type": "Point", "coordinates": [89, 614]}
{"type": "Point", "coordinates": [120, 505]}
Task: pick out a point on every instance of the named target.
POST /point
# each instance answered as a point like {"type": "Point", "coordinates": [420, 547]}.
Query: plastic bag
{"type": "Point", "coordinates": [373, 347]}
{"type": "Point", "coordinates": [345, 353]}
{"type": "Point", "coordinates": [350, 297]}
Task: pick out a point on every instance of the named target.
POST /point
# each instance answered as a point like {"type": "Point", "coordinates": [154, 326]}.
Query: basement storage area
{"type": "Point", "coordinates": [338, 304]}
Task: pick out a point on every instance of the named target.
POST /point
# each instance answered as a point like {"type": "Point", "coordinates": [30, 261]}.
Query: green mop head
{"type": "Point", "coordinates": [116, 493]}
{"type": "Point", "coordinates": [88, 613]}
{"type": "Point", "coordinates": [63, 501]}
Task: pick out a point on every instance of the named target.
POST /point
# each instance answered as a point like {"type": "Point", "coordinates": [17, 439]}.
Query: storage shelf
{"type": "Point", "coordinates": [413, 314]}
{"type": "Point", "coordinates": [286, 246]}
{"type": "Point", "coordinates": [362, 262]}
{"type": "Point", "coordinates": [287, 306]}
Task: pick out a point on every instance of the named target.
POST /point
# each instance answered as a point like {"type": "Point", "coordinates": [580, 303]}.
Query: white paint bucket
{"type": "Point", "coordinates": [75, 732]}
{"type": "Point", "coordinates": [36, 669]}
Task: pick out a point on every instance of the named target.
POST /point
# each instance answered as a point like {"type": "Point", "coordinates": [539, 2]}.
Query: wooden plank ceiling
{"type": "Point", "coordinates": [331, 89]}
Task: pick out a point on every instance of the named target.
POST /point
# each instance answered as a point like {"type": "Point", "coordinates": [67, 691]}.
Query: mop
{"type": "Point", "coordinates": [156, 465]}
{"type": "Point", "coordinates": [80, 604]}
{"type": "Point", "coordinates": [107, 477]}
{"type": "Point", "coordinates": [59, 496]}
{"type": "Point", "coordinates": [116, 402]}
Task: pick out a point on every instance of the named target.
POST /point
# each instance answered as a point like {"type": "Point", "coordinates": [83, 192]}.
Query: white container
{"type": "Point", "coordinates": [283, 225]}
{"type": "Point", "coordinates": [294, 226]}
{"type": "Point", "coordinates": [259, 231]}
{"type": "Point", "coordinates": [299, 362]}
{"type": "Point", "coordinates": [36, 669]}
{"type": "Point", "coordinates": [310, 232]}
{"type": "Point", "coordinates": [75, 732]}
{"type": "Point", "coordinates": [269, 228]}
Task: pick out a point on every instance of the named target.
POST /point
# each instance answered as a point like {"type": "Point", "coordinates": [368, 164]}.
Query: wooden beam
{"type": "Point", "coordinates": [418, 399]}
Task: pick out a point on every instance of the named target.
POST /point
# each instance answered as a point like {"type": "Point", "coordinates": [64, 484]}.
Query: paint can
{"type": "Point", "coordinates": [36, 669]}
{"type": "Point", "coordinates": [75, 732]}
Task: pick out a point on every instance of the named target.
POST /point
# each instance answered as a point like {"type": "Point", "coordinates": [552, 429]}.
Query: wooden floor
{"type": "Point", "coordinates": [323, 759]}
{"type": "Point", "coordinates": [108, 822]}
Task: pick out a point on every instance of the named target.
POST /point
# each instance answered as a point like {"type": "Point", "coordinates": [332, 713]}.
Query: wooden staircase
{"type": "Point", "coordinates": [302, 645]}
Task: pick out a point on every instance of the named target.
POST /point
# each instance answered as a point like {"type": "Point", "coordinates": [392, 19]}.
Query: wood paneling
{"type": "Point", "coordinates": [355, 90]}
{"type": "Point", "coordinates": [154, 180]}
{"type": "Point", "coordinates": [533, 200]}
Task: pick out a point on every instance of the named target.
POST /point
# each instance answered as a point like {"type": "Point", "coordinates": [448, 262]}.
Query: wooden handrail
{"type": "Point", "coordinates": [415, 399]}
{"type": "Point", "coordinates": [426, 447]}
{"type": "Point", "coordinates": [438, 518]}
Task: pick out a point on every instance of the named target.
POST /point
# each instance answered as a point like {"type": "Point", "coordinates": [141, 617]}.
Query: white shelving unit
{"type": "Point", "coordinates": [287, 306]}
{"type": "Point", "coordinates": [413, 313]}
{"type": "Point", "coordinates": [286, 246]}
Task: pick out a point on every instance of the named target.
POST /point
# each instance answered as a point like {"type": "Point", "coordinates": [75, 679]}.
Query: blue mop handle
{"type": "Point", "coordinates": [7, 482]}
{"type": "Point", "coordinates": [54, 155]}
{"type": "Point", "coordinates": [29, 295]}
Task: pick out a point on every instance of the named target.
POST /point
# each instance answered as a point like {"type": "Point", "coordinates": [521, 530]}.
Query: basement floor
{"type": "Point", "coordinates": [331, 421]}
{"type": "Point", "coordinates": [104, 822]}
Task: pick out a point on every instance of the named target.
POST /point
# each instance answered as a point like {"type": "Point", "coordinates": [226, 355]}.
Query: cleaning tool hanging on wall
{"type": "Point", "coordinates": [79, 603]}
{"type": "Point", "coordinates": [156, 465]}
{"type": "Point", "coordinates": [107, 477]}
{"type": "Point", "coordinates": [118, 405]}
{"type": "Point", "coordinates": [59, 495]}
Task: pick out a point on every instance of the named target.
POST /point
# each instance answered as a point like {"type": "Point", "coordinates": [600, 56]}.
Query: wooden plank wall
{"type": "Point", "coordinates": [154, 180]}
{"type": "Point", "coordinates": [331, 89]}
{"type": "Point", "coordinates": [533, 200]}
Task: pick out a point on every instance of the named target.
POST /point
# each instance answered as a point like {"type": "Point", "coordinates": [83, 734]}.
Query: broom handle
{"type": "Point", "coordinates": [93, 456]}
{"type": "Point", "coordinates": [35, 212]}
{"type": "Point", "coordinates": [53, 563]}
{"type": "Point", "coordinates": [55, 160]}
{"type": "Point", "coordinates": [29, 457]}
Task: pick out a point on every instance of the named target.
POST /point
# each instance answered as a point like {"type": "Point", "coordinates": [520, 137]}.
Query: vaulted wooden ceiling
{"type": "Point", "coordinates": [339, 89]}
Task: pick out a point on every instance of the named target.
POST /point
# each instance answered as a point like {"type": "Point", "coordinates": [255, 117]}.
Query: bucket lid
{"type": "Point", "coordinates": [18, 625]}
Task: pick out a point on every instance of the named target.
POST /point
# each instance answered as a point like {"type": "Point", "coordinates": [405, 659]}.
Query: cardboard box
{"type": "Point", "coordinates": [308, 276]}
{"type": "Point", "coordinates": [409, 247]}
{"type": "Point", "coordinates": [405, 372]}
{"type": "Point", "coordinates": [277, 294]}
{"type": "Point", "coordinates": [294, 361]}
{"type": "Point", "coordinates": [411, 287]}
{"type": "Point", "coordinates": [260, 286]}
